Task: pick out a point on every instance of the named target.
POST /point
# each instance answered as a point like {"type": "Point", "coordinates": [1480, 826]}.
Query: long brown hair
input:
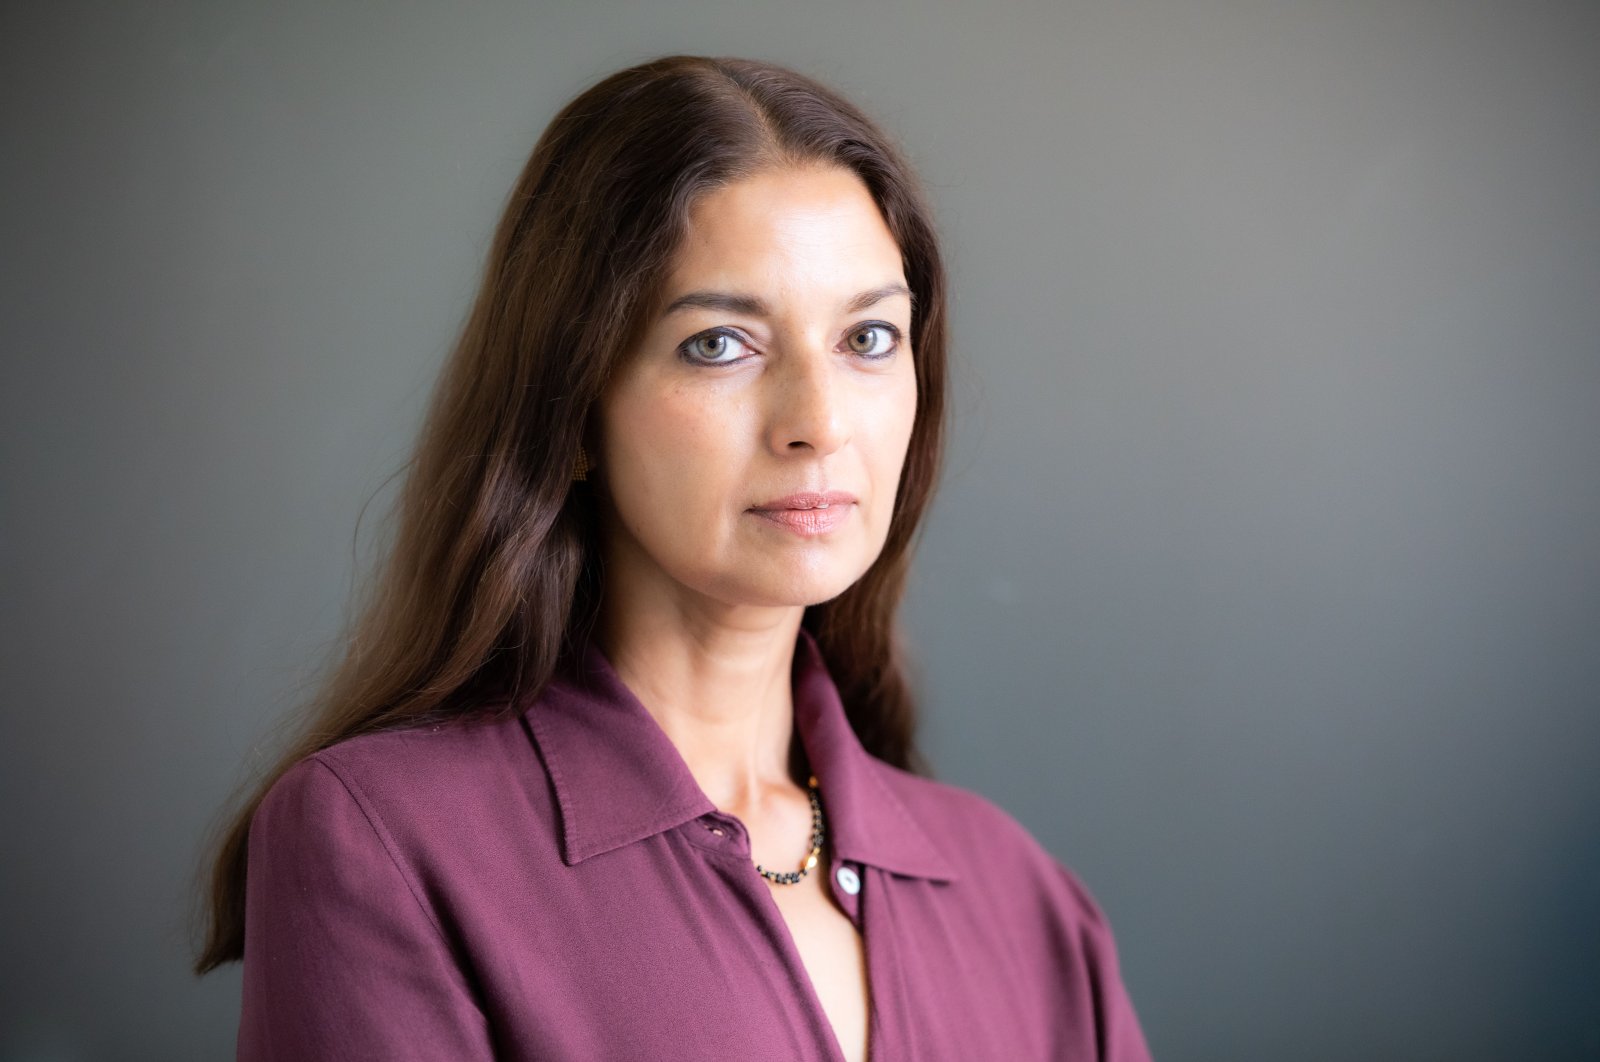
{"type": "Point", "coordinates": [494, 570]}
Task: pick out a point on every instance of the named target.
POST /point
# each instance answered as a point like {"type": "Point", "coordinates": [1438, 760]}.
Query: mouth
{"type": "Point", "coordinates": [809, 499]}
{"type": "Point", "coordinates": [808, 513]}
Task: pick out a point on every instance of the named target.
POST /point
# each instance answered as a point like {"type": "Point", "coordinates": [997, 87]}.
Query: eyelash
{"type": "Point", "coordinates": [685, 347]}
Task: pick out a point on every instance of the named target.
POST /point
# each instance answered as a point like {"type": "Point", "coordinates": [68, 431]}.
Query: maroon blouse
{"type": "Point", "coordinates": [549, 887]}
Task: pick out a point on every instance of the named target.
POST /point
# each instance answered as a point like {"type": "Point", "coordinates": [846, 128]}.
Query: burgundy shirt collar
{"type": "Point", "coordinates": [619, 779]}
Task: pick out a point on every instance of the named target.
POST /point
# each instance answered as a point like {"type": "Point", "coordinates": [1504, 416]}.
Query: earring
{"type": "Point", "coordinates": [580, 470]}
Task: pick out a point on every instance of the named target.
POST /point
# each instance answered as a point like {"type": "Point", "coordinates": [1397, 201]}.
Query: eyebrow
{"type": "Point", "coordinates": [751, 306]}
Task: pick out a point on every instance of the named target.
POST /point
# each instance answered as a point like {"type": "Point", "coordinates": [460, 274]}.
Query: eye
{"type": "Point", "coordinates": [875, 339]}
{"type": "Point", "coordinates": [716, 347]}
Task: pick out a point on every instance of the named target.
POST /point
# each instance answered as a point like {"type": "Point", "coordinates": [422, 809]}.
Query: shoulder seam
{"type": "Point", "coordinates": [381, 832]}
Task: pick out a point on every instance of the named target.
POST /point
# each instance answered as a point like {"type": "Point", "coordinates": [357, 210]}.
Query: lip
{"type": "Point", "coordinates": [808, 513]}
{"type": "Point", "coordinates": [808, 499]}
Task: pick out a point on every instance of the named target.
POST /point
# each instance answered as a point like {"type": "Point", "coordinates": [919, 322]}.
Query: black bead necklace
{"type": "Point", "coordinates": [794, 876]}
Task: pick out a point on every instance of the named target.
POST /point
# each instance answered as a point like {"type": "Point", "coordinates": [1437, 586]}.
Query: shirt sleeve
{"type": "Point", "coordinates": [342, 959]}
{"type": "Point", "coordinates": [1117, 1032]}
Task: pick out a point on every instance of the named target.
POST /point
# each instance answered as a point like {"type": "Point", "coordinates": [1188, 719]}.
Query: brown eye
{"type": "Point", "coordinates": [874, 340]}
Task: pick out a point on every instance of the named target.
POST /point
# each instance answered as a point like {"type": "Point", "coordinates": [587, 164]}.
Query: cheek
{"type": "Point", "coordinates": [895, 425]}
{"type": "Point", "coordinates": [890, 446]}
{"type": "Point", "coordinates": [661, 452]}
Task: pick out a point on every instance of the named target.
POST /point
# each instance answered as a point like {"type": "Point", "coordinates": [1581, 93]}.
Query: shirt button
{"type": "Point", "coordinates": [848, 880]}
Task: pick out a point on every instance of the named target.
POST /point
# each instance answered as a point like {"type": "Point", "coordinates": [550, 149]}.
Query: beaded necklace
{"type": "Point", "coordinates": [795, 876]}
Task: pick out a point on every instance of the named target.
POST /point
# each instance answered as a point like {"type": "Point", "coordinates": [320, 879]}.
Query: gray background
{"type": "Point", "coordinates": [1264, 586]}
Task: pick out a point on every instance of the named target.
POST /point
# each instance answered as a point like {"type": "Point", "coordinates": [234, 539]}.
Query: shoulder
{"type": "Point", "coordinates": [1026, 907]}
{"type": "Point", "coordinates": [987, 845]}
{"type": "Point", "coordinates": [447, 759]}
{"type": "Point", "coordinates": [964, 821]}
{"type": "Point", "coordinates": [417, 787]}
{"type": "Point", "coordinates": [345, 873]}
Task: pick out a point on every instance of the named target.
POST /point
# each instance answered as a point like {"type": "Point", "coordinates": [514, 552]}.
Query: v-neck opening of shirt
{"type": "Point", "coordinates": [793, 956]}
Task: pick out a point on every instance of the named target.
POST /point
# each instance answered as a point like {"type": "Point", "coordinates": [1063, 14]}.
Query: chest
{"type": "Point", "coordinates": [831, 949]}
{"type": "Point", "coordinates": [675, 947]}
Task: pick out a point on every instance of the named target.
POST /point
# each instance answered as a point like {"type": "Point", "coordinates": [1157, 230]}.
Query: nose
{"type": "Point", "coordinates": [808, 405]}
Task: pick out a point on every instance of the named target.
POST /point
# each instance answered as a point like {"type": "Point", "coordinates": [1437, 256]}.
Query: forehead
{"type": "Point", "coordinates": [815, 228]}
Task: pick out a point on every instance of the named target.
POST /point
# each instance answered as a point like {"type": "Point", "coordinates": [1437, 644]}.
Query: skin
{"type": "Point", "coordinates": [704, 598]}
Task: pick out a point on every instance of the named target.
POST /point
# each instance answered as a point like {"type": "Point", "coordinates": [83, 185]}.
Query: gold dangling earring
{"type": "Point", "coordinates": [580, 470]}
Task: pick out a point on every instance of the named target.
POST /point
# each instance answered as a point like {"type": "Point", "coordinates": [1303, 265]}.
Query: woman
{"type": "Point", "coordinates": [620, 762]}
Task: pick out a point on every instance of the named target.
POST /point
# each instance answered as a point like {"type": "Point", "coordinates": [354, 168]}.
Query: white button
{"type": "Point", "coordinates": [848, 880]}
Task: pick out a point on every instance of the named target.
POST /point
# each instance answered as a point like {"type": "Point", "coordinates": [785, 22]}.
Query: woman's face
{"type": "Point", "coordinates": [778, 377]}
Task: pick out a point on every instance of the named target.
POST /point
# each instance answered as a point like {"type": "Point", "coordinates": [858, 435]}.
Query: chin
{"type": "Point", "coordinates": [810, 586]}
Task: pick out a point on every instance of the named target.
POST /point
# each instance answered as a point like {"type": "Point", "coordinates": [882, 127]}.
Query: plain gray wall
{"type": "Point", "coordinates": [1264, 586]}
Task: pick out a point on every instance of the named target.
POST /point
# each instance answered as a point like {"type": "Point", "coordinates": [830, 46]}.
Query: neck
{"type": "Point", "coordinates": [717, 682]}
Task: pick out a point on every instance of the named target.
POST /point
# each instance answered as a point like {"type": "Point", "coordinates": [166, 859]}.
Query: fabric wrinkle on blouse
{"type": "Point", "coordinates": [549, 886]}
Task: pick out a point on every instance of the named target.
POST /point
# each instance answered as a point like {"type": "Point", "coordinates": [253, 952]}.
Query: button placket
{"type": "Point", "coordinates": [721, 833]}
{"type": "Point", "coordinates": [845, 883]}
